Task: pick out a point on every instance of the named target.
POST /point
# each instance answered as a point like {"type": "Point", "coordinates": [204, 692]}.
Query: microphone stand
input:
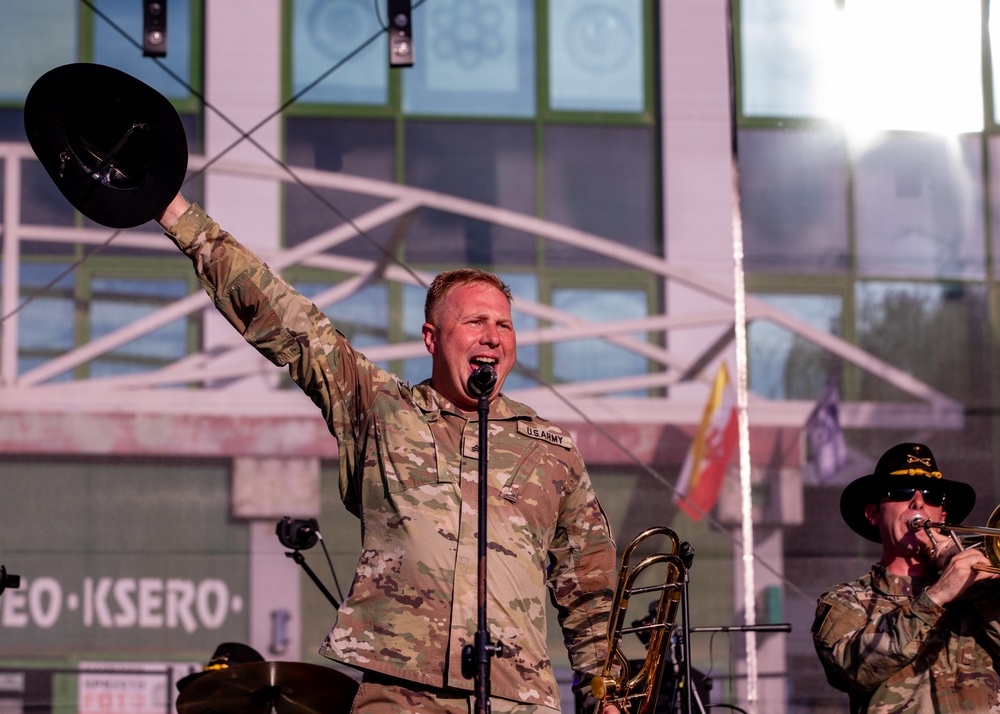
{"type": "Point", "coordinates": [476, 657]}
{"type": "Point", "coordinates": [297, 556]}
{"type": "Point", "coordinates": [298, 535]}
{"type": "Point", "coordinates": [779, 627]}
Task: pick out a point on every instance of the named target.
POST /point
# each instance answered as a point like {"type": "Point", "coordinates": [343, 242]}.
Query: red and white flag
{"type": "Point", "coordinates": [708, 458]}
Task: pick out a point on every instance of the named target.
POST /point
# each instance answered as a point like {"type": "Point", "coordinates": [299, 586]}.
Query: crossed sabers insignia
{"type": "Point", "coordinates": [911, 459]}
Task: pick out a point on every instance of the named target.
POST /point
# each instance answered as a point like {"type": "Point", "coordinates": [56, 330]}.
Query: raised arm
{"type": "Point", "coordinates": [172, 212]}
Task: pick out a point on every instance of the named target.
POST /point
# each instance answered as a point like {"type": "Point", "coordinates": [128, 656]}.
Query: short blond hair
{"type": "Point", "coordinates": [444, 282]}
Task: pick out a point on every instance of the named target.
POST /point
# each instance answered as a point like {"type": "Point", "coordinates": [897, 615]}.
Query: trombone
{"type": "Point", "coordinates": [990, 544]}
{"type": "Point", "coordinates": [616, 684]}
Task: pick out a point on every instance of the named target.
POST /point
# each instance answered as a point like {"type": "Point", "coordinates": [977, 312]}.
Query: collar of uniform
{"type": "Point", "coordinates": [897, 585]}
{"type": "Point", "coordinates": [432, 403]}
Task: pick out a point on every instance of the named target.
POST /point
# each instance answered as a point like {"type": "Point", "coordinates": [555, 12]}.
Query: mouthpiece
{"type": "Point", "coordinates": [917, 522]}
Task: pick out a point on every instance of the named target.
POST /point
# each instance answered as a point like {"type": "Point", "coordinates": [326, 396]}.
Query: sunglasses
{"type": "Point", "coordinates": [929, 495]}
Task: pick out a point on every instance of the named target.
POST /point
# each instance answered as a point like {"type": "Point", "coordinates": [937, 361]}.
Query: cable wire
{"type": "Point", "coordinates": [246, 135]}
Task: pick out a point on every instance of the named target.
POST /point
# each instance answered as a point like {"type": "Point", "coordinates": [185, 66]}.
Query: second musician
{"type": "Point", "coordinates": [920, 632]}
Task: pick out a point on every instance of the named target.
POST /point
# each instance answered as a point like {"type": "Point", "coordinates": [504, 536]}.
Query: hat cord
{"type": "Point", "coordinates": [98, 173]}
{"type": "Point", "coordinates": [915, 472]}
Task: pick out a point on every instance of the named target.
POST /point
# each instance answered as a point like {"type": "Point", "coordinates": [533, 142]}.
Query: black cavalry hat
{"type": "Point", "coordinates": [228, 654]}
{"type": "Point", "coordinates": [902, 466]}
{"type": "Point", "coordinates": [113, 145]}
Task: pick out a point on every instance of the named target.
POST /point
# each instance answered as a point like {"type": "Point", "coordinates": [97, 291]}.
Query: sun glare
{"type": "Point", "coordinates": [911, 65]}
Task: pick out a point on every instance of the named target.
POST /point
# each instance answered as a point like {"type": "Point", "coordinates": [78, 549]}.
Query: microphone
{"type": "Point", "coordinates": [297, 534]}
{"type": "Point", "coordinates": [482, 381]}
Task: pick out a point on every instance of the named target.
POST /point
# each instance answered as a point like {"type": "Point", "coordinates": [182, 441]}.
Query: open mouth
{"type": "Point", "coordinates": [477, 362]}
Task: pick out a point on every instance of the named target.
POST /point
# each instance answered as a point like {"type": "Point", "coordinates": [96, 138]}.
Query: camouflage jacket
{"type": "Point", "coordinates": [409, 471]}
{"type": "Point", "coordinates": [882, 640]}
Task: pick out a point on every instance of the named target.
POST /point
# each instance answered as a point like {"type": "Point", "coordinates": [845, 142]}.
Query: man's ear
{"type": "Point", "coordinates": [430, 337]}
{"type": "Point", "coordinates": [871, 513]}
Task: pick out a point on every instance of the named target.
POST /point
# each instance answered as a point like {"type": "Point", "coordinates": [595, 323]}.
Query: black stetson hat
{"type": "Point", "coordinates": [114, 146]}
{"type": "Point", "coordinates": [902, 466]}
{"type": "Point", "coordinates": [228, 654]}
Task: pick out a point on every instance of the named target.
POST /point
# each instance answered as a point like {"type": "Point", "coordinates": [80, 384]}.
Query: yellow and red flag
{"type": "Point", "coordinates": [708, 458]}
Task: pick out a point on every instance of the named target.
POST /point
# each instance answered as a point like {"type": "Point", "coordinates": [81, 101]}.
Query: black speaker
{"type": "Point", "coordinates": [400, 33]}
{"type": "Point", "coordinates": [154, 28]}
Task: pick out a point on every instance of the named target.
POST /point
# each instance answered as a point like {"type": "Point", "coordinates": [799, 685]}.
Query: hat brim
{"type": "Point", "coordinates": [959, 499]}
{"type": "Point", "coordinates": [185, 681]}
{"type": "Point", "coordinates": [114, 146]}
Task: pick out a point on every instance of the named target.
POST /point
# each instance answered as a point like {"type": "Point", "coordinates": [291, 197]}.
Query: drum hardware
{"type": "Point", "coordinates": [269, 688]}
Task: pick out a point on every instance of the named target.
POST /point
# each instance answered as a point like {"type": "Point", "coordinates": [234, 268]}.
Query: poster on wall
{"type": "Point", "coordinates": [129, 687]}
{"type": "Point", "coordinates": [137, 561]}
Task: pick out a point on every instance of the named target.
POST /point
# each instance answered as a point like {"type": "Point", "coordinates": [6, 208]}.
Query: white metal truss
{"type": "Point", "coordinates": [591, 401]}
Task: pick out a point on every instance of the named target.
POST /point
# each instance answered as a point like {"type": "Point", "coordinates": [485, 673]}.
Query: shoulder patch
{"type": "Point", "coordinates": [551, 434]}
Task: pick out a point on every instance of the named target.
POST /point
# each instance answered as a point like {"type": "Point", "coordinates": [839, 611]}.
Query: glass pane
{"type": "Point", "coordinates": [113, 49]}
{"type": "Point", "coordinates": [793, 195]}
{"type": "Point", "coordinates": [43, 204]}
{"type": "Point", "coordinates": [789, 57]}
{"type": "Point", "coordinates": [488, 163]}
{"type": "Point", "coordinates": [919, 207]}
{"type": "Point", "coordinates": [472, 58]}
{"type": "Point", "coordinates": [165, 343]}
{"type": "Point", "coordinates": [327, 32]}
{"type": "Point", "coordinates": [108, 313]}
{"type": "Point", "coordinates": [39, 275]}
{"type": "Point", "coordinates": [886, 64]}
{"type": "Point", "coordinates": [27, 364]}
{"type": "Point", "coordinates": [596, 55]}
{"type": "Point", "coordinates": [361, 148]}
{"type": "Point", "coordinates": [46, 324]}
{"type": "Point", "coordinates": [937, 332]}
{"type": "Point", "coordinates": [23, 57]}
{"type": "Point", "coordinates": [594, 359]}
{"type": "Point", "coordinates": [417, 369]}
{"type": "Point", "coordinates": [600, 180]}
{"type": "Point", "coordinates": [784, 365]}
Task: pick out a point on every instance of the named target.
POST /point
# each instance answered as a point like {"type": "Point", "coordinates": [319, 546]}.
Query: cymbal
{"type": "Point", "coordinates": [269, 688]}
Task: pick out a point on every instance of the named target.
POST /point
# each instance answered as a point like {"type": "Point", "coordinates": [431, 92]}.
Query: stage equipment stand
{"type": "Point", "coordinates": [476, 657]}
{"type": "Point", "coordinates": [300, 535]}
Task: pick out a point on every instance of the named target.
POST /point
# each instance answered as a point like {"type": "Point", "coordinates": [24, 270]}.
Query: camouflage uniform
{"type": "Point", "coordinates": [409, 471]}
{"type": "Point", "coordinates": [882, 640]}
